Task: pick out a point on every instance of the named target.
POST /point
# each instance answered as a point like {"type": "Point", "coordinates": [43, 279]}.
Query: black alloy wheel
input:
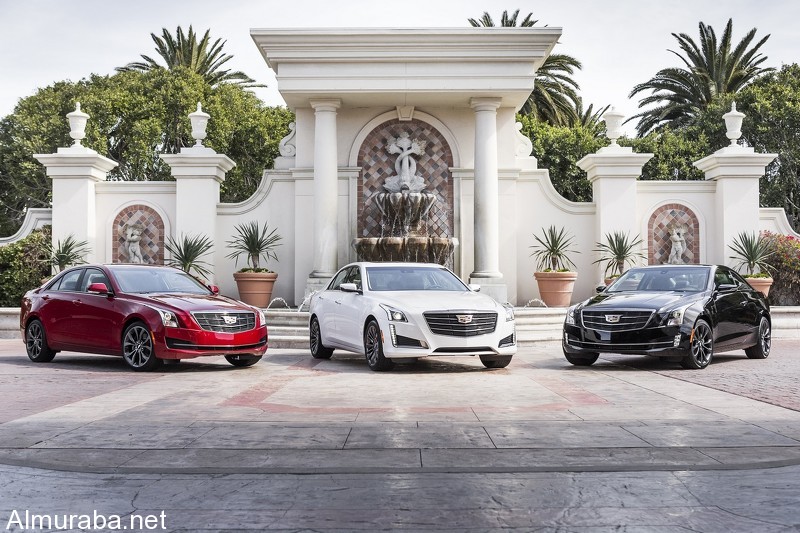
{"type": "Point", "coordinates": [318, 350]}
{"type": "Point", "coordinates": [761, 349]}
{"type": "Point", "coordinates": [373, 348]}
{"type": "Point", "coordinates": [701, 347]}
{"type": "Point", "coordinates": [137, 348]}
{"type": "Point", "coordinates": [36, 343]}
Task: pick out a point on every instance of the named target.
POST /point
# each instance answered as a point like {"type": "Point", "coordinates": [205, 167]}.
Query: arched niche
{"type": "Point", "coordinates": [152, 237]}
{"type": "Point", "coordinates": [661, 221]}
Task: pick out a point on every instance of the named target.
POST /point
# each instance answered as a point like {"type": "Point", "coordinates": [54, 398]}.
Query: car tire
{"type": "Point", "coordinates": [373, 348]}
{"type": "Point", "coordinates": [701, 347]}
{"type": "Point", "coordinates": [584, 359]}
{"type": "Point", "coordinates": [762, 347]}
{"type": "Point", "coordinates": [495, 362]}
{"type": "Point", "coordinates": [243, 360]}
{"type": "Point", "coordinates": [36, 343]}
{"type": "Point", "coordinates": [318, 350]}
{"type": "Point", "coordinates": [137, 348]}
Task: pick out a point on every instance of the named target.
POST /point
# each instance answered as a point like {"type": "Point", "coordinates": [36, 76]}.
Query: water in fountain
{"type": "Point", "coordinates": [405, 209]}
{"type": "Point", "coordinates": [281, 300]}
{"type": "Point", "coordinates": [535, 302]}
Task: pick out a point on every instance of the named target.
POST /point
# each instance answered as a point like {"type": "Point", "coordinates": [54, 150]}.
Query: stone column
{"type": "Point", "coordinates": [75, 171]}
{"type": "Point", "coordinates": [326, 189]}
{"type": "Point", "coordinates": [736, 171]}
{"type": "Point", "coordinates": [487, 205]}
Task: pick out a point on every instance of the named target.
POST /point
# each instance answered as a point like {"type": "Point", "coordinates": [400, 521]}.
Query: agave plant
{"type": "Point", "coordinates": [254, 242]}
{"type": "Point", "coordinates": [752, 251]}
{"type": "Point", "coordinates": [186, 254]}
{"type": "Point", "coordinates": [552, 250]}
{"type": "Point", "coordinates": [618, 249]}
{"type": "Point", "coordinates": [68, 252]}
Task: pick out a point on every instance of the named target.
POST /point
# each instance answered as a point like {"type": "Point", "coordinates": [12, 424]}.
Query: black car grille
{"type": "Point", "coordinates": [226, 322]}
{"type": "Point", "coordinates": [615, 320]}
{"type": "Point", "coordinates": [464, 324]}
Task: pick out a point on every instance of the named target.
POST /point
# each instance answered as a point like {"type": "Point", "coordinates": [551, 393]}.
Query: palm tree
{"type": "Point", "coordinates": [554, 97]}
{"type": "Point", "coordinates": [713, 68]}
{"type": "Point", "coordinates": [589, 118]}
{"type": "Point", "coordinates": [198, 56]}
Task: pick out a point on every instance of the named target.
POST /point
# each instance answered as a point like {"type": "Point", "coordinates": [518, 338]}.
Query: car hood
{"type": "Point", "coordinates": [196, 302]}
{"type": "Point", "coordinates": [420, 301]}
{"type": "Point", "coordinates": [641, 300]}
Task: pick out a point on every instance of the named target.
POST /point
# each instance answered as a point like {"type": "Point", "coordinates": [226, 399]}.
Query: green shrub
{"type": "Point", "coordinates": [23, 266]}
{"type": "Point", "coordinates": [785, 289]}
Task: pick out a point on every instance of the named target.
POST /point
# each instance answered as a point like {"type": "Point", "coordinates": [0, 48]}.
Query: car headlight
{"type": "Point", "coordinates": [262, 316]}
{"type": "Point", "coordinates": [393, 314]}
{"type": "Point", "coordinates": [509, 312]}
{"type": "Point", "coordinates": [570, 319]}
{"type": "Point", "coordinates": [675, 317]}
{"type": "Point", "coordinates": [168, 318]}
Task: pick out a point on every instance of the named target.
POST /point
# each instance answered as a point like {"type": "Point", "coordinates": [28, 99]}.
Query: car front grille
{"type": "Point", "coordinates": [461, 324]}
{"type": "Point", "coordinates": [615, 319]}
{"type": "Point", "coordinates": [226, 322]}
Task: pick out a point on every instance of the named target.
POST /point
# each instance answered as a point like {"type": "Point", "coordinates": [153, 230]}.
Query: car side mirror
{"type": "Point", "coordinates": [599, 289]}
{"type": "Point", "coordinates": [727, 287]}
{"type": "Point", "coordinates": [349, 287]}
{"type": "Point", "coordinates": [474, 287]}
{"type": "Point", "coordinates": [98, 288]}
{"type": "Point", "coordinates": [214, 289]}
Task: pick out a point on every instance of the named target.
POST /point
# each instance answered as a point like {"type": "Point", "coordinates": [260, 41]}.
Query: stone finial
{"type": "Point", "coordinates": [77, 124]}
{"type": "Point", "coordinates": [613, 120]}
{"type": "Point", "coordinates": [733, 122]}
{"type": "Point", "coordinates": [199, 122]}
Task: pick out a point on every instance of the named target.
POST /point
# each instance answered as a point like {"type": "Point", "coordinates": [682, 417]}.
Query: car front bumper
{"type": "Point", "coordinates": [660, 341]}
{"type": "Point", "coordinates": [403, 340]}
{"type": "Point", "coordinates": [180, 343]}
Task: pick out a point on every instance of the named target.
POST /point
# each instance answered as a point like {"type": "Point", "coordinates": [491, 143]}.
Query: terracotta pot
{"type": "Point", "coordinates": [760, 284]}
{"type": "Point", "coordinates": [255, 288]}
{"type": "Point", "coordinates": [555, 288]}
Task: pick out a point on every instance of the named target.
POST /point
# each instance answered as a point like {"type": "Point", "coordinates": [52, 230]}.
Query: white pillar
{"type": "Point", "coordinates": [75, 171]}
{"type": "Point", "coordinates": [326, 188]}
{"type": "Point", "coordinates": [198, 173]}
{"type": "Point", "coordinates": [613, 172]}
{"type": "Point", "coordinates": [486, 200]}
{"type": "Point", "coordinates": [736, 171]}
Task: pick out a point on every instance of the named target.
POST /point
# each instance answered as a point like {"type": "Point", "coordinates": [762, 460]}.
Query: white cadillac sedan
{"type": "Point", "coordinates": [404, 311]}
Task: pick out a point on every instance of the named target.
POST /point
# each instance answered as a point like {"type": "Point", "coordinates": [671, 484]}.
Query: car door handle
{"type": "Point", "coordinates": [338, 302]}
{"type": "Point", "coordinates": [45, 297]}
{"type": "Point", "coordinates": [76, 302]}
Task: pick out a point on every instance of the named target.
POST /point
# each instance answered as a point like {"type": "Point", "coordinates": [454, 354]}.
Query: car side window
{"type": "Point", "coordinates": [354, 276]}
{"type": "Point", "coordinates": [338, 280]}
{"type": "Point", "coordinates": [93, 275]}
{"type": "Point", "coordinates": [69, 282]}
{"type": "Point", "coordinates": [723, 277]}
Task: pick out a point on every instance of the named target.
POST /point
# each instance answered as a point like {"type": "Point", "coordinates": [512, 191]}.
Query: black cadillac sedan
{"type": "Point", "coordinates": [682, 312]}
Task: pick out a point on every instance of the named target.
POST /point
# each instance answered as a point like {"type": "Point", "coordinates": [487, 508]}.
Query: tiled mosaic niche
{"type": "Point", "coordinates": [152, 237]}
{"type": "Point", "coordinates": [433, 165]}
{"type": "Point", "coordinates": [658, 229]}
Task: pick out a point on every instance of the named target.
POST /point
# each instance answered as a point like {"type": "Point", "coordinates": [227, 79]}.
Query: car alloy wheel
{"type": "Point", "coordinates": [762, 348]}
{"type": "Point", "coordinates": [701, 347]}
{"type": "Point", "coordinates": [36, 343]}
{"type": "Point", "coordinates": [137, 348]}
{"type": "Point", "coordinates": [373, 348]}
{"type": "Point", "coordinates": [318, 350]}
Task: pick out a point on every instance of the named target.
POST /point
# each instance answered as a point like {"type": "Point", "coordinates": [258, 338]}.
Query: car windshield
{"type": "Point", "coordinates": [411, 278]}
{"type": "Point", "coordinates": [682, 279]}
{"type": "Point", "coordinates": [137, 280]}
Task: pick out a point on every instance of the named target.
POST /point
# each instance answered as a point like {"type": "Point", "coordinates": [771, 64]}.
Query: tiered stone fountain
{"type": "Point", "coordinates": [405, 208]}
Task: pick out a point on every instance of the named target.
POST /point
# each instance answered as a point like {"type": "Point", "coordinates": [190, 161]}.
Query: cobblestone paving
{"type": "Point", "coordinates": [775, 380]}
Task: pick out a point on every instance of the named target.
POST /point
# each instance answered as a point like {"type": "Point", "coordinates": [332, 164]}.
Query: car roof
{"type": "Point", "coordinates": [393, 264]}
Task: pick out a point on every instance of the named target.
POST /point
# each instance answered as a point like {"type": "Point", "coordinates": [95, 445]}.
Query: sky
{"type": "Point", "coordinates": [620, 43]}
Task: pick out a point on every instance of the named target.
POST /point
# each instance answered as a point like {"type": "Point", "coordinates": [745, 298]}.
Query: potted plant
{"type": "Point", "coordinates": [554, 277]}
{"type": "Point", "coordinates": [617, 250]}
{"type": "Point", "coordinates": [253, 281]}
{"type": "Point", "coordinates": [68, 252]}
{"type": "Point", "coordinates": [186, 254]}
{"type": "Point", "coordinates": [752, 251]}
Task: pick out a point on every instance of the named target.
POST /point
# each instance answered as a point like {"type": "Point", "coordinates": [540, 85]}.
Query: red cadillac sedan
{"type": "Point", "coordinates": [147, 314]}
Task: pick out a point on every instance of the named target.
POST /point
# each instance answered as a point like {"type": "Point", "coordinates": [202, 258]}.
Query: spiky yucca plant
{"type": "Point", "coordinates": [552, 250]}
{"type": "Point", "coordinates": [618, 249]}
{"type": "Point", "coordinates": [752, 251]}
{"type": "Point", "coordinates": [186, 254]}
{"type": "Point", "coordinates": [68, 252]}
{"type": "Point", "coordinates": [254, 242]}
